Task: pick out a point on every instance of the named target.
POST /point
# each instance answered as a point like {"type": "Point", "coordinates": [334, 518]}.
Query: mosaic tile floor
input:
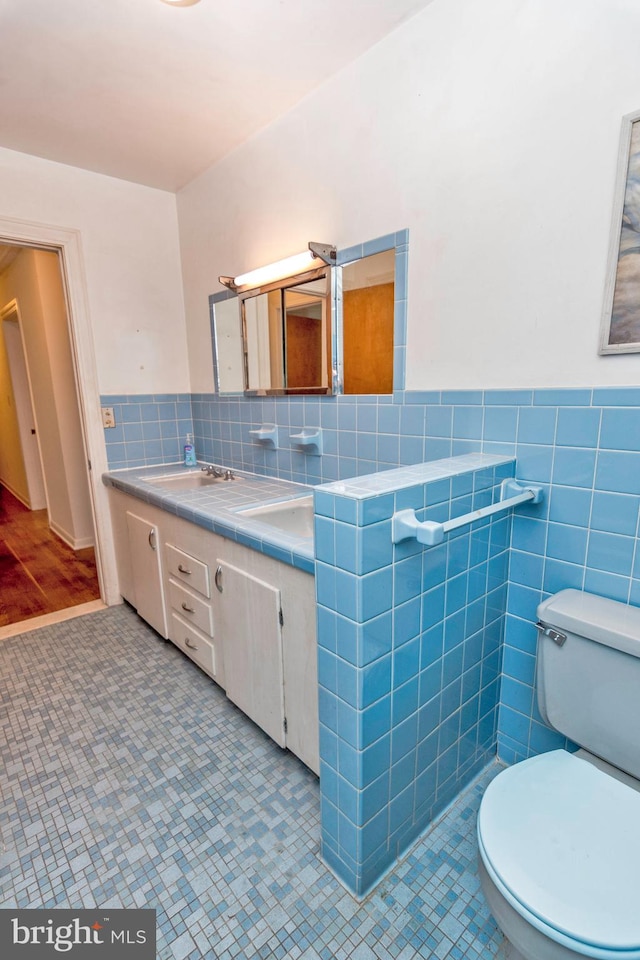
{"type": "Point", "coordinates": [128, 779]}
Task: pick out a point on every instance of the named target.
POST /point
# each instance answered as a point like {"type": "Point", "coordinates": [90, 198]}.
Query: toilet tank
{"type": "Point", "coordinates": [588, 674]}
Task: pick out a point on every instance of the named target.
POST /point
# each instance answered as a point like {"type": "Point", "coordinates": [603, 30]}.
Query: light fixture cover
{"type": "Point", "coordinates": [280, 269]}
{"type": "Point", "coordinates": [181, 3]}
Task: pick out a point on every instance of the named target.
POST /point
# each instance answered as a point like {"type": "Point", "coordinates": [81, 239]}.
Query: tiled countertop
{"type": "Point", "coordinates": [213, 508]}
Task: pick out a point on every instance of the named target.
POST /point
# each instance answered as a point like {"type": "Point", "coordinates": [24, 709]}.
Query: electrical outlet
{"type": "Point", "coordinates": [108, 418]}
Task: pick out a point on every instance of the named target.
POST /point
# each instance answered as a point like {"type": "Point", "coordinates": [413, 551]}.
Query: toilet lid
{"type": "Point", "coordinates": [564, 839]}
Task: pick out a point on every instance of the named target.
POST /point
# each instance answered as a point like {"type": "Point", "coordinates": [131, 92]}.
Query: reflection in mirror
{"type": "Point", "coordinates": [228, 356]}
{"type": "Point", "coordinates": [287, 335]}
{"type": "Point", "coordinates": [368, 292]}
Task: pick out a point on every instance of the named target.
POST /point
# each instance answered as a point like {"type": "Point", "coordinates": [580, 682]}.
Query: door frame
{"type": "Point", "coordinates": [10, 314]}
{"type": "Point", "coordinates": [67, 243]}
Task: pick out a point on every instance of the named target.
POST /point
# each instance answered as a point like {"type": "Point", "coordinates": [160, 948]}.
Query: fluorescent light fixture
{"type": "Point", "coordinates": [311, 259]}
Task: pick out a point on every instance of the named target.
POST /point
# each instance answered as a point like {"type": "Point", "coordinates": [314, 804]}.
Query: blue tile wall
{"type": "Point", "coordinates": [150, 428]}
{"type": "Point", "coordinates": [582, 445]}
{"type": "Point", "coordinates": [410, 644]}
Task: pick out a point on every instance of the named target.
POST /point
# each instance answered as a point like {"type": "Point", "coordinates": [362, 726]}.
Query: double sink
{"type": "Point", "coordinates": [291, 516]}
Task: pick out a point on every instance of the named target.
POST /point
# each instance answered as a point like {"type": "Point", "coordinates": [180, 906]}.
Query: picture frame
{"type": "Point", "coordinates": [620, 326]}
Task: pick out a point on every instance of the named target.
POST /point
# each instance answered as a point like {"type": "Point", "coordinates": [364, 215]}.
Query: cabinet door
{"type": "Point", "coordinates": [249, 626]}
{"type": "Point", "coordinates": [144, 544]}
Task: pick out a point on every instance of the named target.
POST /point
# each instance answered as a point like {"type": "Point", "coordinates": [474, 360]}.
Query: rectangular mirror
{"type": "Point", "coordinates": [332, 330]}
{"type": "Point", "coordinates": [367, 308]}
{"type": "Point", "coordinates": [228, 349]}
{"type": "Point", "coordinates": [287, 338]}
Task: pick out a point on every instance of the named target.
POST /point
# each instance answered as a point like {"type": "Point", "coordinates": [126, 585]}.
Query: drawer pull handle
{"type": "Point", "coordinates": [184, 570]}
{"type": "Point", "coordinates": [190, 644]}
{"type": "Point", "coordinates": [187, 608]}
{"type": "Point", "coordinates": [152, 538]}
{"type": "Point", "coordinates": [218, 579]}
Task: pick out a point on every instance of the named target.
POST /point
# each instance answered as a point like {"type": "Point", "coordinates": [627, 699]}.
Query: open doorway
{"type": "Point", "coordinates": [48, 539]}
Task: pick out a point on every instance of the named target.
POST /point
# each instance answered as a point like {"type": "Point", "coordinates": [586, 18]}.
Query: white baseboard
{"type": "Point", "coordinates": [19, 496]}
{"type": "Point", "coordinates": [73, 542]}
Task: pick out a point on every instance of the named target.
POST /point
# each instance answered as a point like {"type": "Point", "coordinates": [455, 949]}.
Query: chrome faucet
{"type": "Point", "coordinates": [218, 472]}
{"type": "Point", "coordinates": [212, 471]}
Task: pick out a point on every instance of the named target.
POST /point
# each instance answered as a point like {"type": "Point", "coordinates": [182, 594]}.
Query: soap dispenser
{"type": "Point", "coordinates": [189, 452]}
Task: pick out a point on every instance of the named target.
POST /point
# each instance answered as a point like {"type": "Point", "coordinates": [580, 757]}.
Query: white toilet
{"type": "Point", "coordinates": [559, 834]}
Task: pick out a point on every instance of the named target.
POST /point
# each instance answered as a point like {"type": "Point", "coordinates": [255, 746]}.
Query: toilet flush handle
{"type": "Point", "coordinates": [554, 635]}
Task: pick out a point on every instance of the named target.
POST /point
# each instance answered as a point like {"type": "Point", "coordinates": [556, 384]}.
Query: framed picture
{"type": "Point", "coordinates": [620, 329]}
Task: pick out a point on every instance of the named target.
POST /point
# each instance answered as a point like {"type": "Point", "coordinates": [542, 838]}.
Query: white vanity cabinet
{"type": "Point", "coordinates": [246, 619]}
{"type": "Point", "coordinates": [138, 544]}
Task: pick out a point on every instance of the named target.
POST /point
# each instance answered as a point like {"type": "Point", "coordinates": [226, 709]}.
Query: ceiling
{"type": "Point", "coordinates": [156, 94]}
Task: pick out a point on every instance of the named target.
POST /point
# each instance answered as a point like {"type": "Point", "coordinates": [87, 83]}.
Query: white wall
{"type": "Point", "coordinates": [129, 240]}
{"type": "Point", "coordinates": [490, 129]}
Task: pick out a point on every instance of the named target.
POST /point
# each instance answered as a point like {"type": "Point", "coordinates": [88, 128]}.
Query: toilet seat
{"type": "Point", "coordinates": [560, 839]}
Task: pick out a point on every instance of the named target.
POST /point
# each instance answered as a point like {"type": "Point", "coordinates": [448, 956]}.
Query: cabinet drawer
{"type": "Point", "coordinates": [193, 572]}
{"type": "Point", "coordinates": [191, 608]}
{"type": "Point", "coordinates": [195, 645]}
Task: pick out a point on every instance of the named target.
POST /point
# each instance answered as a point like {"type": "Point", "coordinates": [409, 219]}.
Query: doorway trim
{"type": "Point", "coordinates": [10, 317]}
{"type": "Point", "coordinates": [67, 243]}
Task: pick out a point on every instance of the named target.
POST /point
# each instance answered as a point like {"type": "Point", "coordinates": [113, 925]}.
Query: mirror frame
{"type": "Point", "coordinates": [398, 241]}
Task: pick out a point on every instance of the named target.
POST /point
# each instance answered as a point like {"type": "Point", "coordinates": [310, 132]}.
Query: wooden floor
{"type": "Point", "coordinates": [39, 573]}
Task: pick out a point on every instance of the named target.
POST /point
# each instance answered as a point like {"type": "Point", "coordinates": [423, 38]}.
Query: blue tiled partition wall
{"type": "Point", "coordinates": [409, 655]}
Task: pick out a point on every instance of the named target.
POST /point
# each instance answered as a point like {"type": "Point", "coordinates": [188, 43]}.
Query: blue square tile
{"type": "Point", "coordinates": [618, 472]}
{"type": "Point", "coordinates": [620, 429]}
{"type": "Point", "coordinates": [347, 682]}
{"type": "Point", "coordinates": [607, 585]}
{"type": "Point", "coordinates": [615, 513]}
{"type": "Point", "coordinates": [346, 547]}
{"type": "Point", "coordinates": [407, 579]}
{"type": "Point", "coordinates": [535, 462]}
{"type": "Point", "coordinates": [374, 509]}
{"type": "Point", "coordinates": [348, 723]}
{"type": "Point", "coordinates": [404, 701]}
{"type": "Point", "coordinates": [530, 534]}
{"type": "Point", "coordinates": [567, 543]}
{"type": "Point", "coordinates": [406, 662]}
{"type": "Point", "coordinates": [346, 593]}
{"type": "Point", "coordinates": [500, 423]}
{"type": "Point", "coordinates": [433, 607]}
{"type": "Point", "coordinates": [327, 670]}
{"type": "Point", "coordinates": [404, 738]}
{"type": "Point", "coordinates": [537, 425]}
{"type": "Point", "coordinates": [375, 593]}
{"type": "Point", "coordinates": [468, 422]}
{"type": "Point", "coordinates": [375, 681]}
{"type": "Point", "coordinates": [574, 467]}
{"type": "Point", "coordinates": [523, 601]}
{"type": "Point", "coordinates": [324, 533]}
{"type": "Point", "coordinates": [559, 575]}
{"type": "Point", "coordinates": [376, 721]}
{"type": "Point", "coordinates": [375, 638]}
{"type": "Point", "coordinates": [611, 552]}
{"type": "Point", "coordinates": [570, 505]}
{"type": "Point", "coordinates": [406, 621]}
{"type": "Point", "coordinates": [375, 546]}
{"type": "Point", "coordinates": [578, 427]}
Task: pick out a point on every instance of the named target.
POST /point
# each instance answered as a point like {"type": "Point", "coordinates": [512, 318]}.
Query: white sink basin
{"type": "Point", "coordinates": [292, 516]}
{"type": "Point", "coordinates": [186, 481]}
